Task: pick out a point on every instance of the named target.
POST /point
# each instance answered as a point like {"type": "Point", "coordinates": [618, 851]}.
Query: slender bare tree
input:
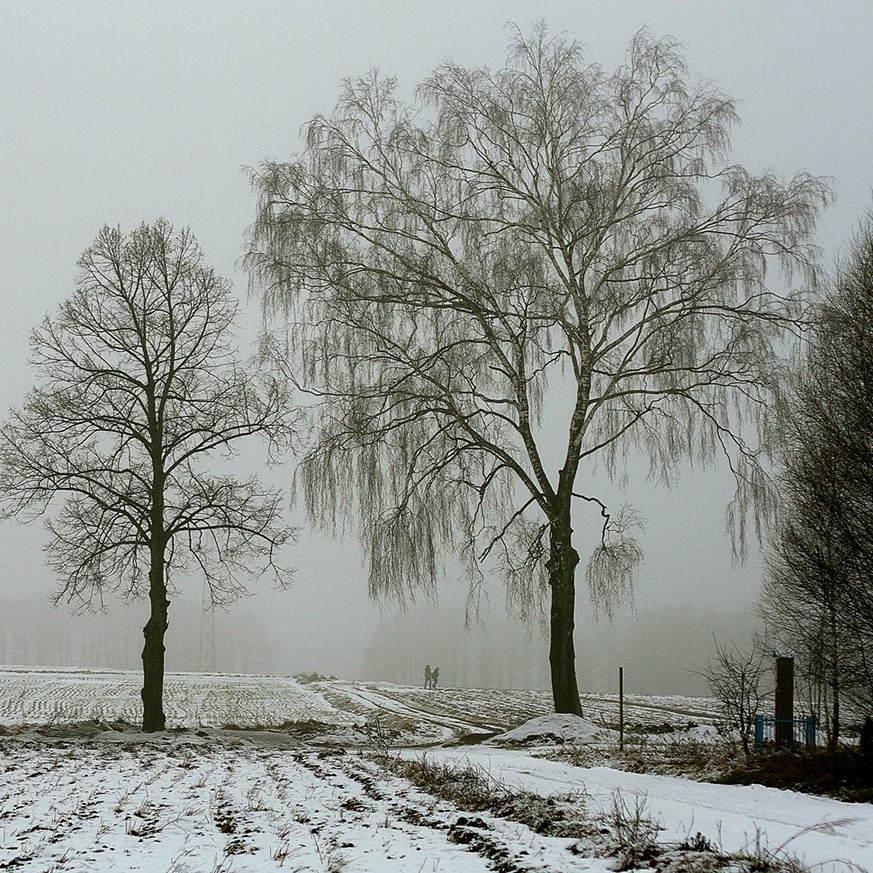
{"type": "Point", "coordinates": [138, 387]}
{"type": "Point", "coordinates": [734, 675]}
{"type": "Point", "coordinates": [818, 597]}
{"type": "Point", "coordinates": [541, 237]}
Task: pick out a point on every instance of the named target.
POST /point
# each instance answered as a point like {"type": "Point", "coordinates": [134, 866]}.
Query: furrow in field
{"type": "Point", "coordinates": [204, 809]}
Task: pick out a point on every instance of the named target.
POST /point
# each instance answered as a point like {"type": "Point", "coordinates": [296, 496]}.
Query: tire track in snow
{"type": "Point", "coordinates": [389, 704]}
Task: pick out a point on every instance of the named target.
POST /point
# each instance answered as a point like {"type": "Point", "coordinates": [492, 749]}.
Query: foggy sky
{"type": "Point", "coordinates": [120, 112]}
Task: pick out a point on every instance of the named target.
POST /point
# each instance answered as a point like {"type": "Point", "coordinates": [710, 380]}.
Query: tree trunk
{"type": "Point", "coordinates": [835, 677]}
{"type": "Point", "coordinates": [153, 718]}
{"type": "Point", "coordinates": [562, 563]}
{"type": "Point", "coordinates": [835, 716]}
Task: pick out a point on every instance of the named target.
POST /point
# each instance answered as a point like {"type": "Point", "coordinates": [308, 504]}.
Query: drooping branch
{"type": "Point", "coordinates": [520, 274]}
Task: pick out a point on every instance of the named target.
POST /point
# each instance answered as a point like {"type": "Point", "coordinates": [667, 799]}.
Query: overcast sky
{"type": "Point", "coordinates": [117, 112]}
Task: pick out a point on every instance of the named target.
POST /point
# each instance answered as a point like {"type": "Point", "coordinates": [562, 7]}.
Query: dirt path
{"type": "Point", "coordinates": [663, 710]}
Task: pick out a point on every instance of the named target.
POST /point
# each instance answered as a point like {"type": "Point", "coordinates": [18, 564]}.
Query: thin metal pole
{"type": "Point", "coordinates": [621, 709]}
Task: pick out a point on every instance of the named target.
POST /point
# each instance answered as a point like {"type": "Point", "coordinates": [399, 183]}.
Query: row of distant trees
{"type": "Point", "coordinates": [439, 273]}
{"type": "Point", "coordinates": [503, 653]}
{"type": "Point", "coordinates": [246, 640]}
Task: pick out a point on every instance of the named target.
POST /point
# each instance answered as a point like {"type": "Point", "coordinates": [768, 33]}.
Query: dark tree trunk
{"type": "Point", "coordinates": [153, 718]}
{"type": "Point", "coordinates": [834, 739]}
{"type": "Point", "coordinates": [562, 563]}
{"type": "Point", "coordinates": [835, 676]}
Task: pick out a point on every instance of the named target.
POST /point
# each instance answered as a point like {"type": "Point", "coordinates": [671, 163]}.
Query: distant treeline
{"type": "Point", "coordinates": [660, 651]}
{"type": "Point", "coordinates": [32, 633]}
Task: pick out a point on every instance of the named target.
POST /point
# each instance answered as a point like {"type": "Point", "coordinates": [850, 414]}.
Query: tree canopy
{"type": "Point", "coordinates": [546, 236]}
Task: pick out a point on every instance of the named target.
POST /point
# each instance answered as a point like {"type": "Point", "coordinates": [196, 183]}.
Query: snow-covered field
{"type": "Point", "coordinates": [412, 716]}
{"type": "Point", "coordinates": [82, 792]}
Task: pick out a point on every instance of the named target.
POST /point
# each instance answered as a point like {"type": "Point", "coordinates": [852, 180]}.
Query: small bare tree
{"type": "Point", "coordinates": [806, 605]}
{"type": "Point", "coordinates": [734, 675]}
{"type": "Point", "coordinates": [138, 387]}
{"type": "Point", "coordinates": [543, 236]}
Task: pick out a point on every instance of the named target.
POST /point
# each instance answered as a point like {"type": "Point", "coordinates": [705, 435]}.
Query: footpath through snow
{"type": "Point", "coordinates": [820, 832]}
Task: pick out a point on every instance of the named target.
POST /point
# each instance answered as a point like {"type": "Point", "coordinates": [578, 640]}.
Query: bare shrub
{"type": "Point", "coordinates": [734, 675]}
{"type": "Point", "coordinates": [633, 841]}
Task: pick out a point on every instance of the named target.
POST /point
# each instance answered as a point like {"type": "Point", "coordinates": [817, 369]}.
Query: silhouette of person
{"type": "Point", "coordinates": [434, 677]}
{"type": "Point", "coordinates": [428, 677]}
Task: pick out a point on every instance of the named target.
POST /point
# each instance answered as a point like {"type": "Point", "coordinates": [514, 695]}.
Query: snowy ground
{"type": "Point", "coordinates": [412, 716]}
{"type": "Point", "coordinates": [310, 796]}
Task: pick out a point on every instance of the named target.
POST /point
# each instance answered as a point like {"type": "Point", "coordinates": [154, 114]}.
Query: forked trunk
{"type": "Point", "coordinates": [153, 718]}
{"type": "Point", "coordinates": [562, 563]}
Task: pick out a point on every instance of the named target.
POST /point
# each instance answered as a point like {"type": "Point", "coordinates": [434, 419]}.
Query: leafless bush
{"type": "Point", "coordinates": [734, 675]}
{"type": "Point", "coordinates": [633, 841]}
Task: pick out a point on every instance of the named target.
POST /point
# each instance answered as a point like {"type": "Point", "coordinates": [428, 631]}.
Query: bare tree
{"type": "Point", "coordinates": [138, 387]}
{"type": "Point", "coordinates": [807, 607]}
{"type": "Point", "coordinates": [818, 597]}
{"type": "Point", "coordinates": [734, 676]}
{"type": "Point", "coordinates": [545, 236]}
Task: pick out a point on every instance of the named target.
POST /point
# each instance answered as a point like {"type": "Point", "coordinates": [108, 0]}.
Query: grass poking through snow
{"type": "Point", "coordinates": [626, 832]}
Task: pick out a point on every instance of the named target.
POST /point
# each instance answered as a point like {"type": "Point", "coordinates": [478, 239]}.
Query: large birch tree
{"type": "Point", "coordinates": [543, 236]}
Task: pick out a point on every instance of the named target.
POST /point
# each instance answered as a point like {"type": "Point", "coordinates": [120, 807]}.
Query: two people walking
{"type": "Point", "coordinates": [431, 677]}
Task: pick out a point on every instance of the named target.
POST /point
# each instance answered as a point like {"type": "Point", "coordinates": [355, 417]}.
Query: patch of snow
{"type": "Point", "coordinates": [557, 727]}
{"type": "Point", "coordinates": [704, 733]}
{"type": "Point", "coordinates": [828, 835]}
